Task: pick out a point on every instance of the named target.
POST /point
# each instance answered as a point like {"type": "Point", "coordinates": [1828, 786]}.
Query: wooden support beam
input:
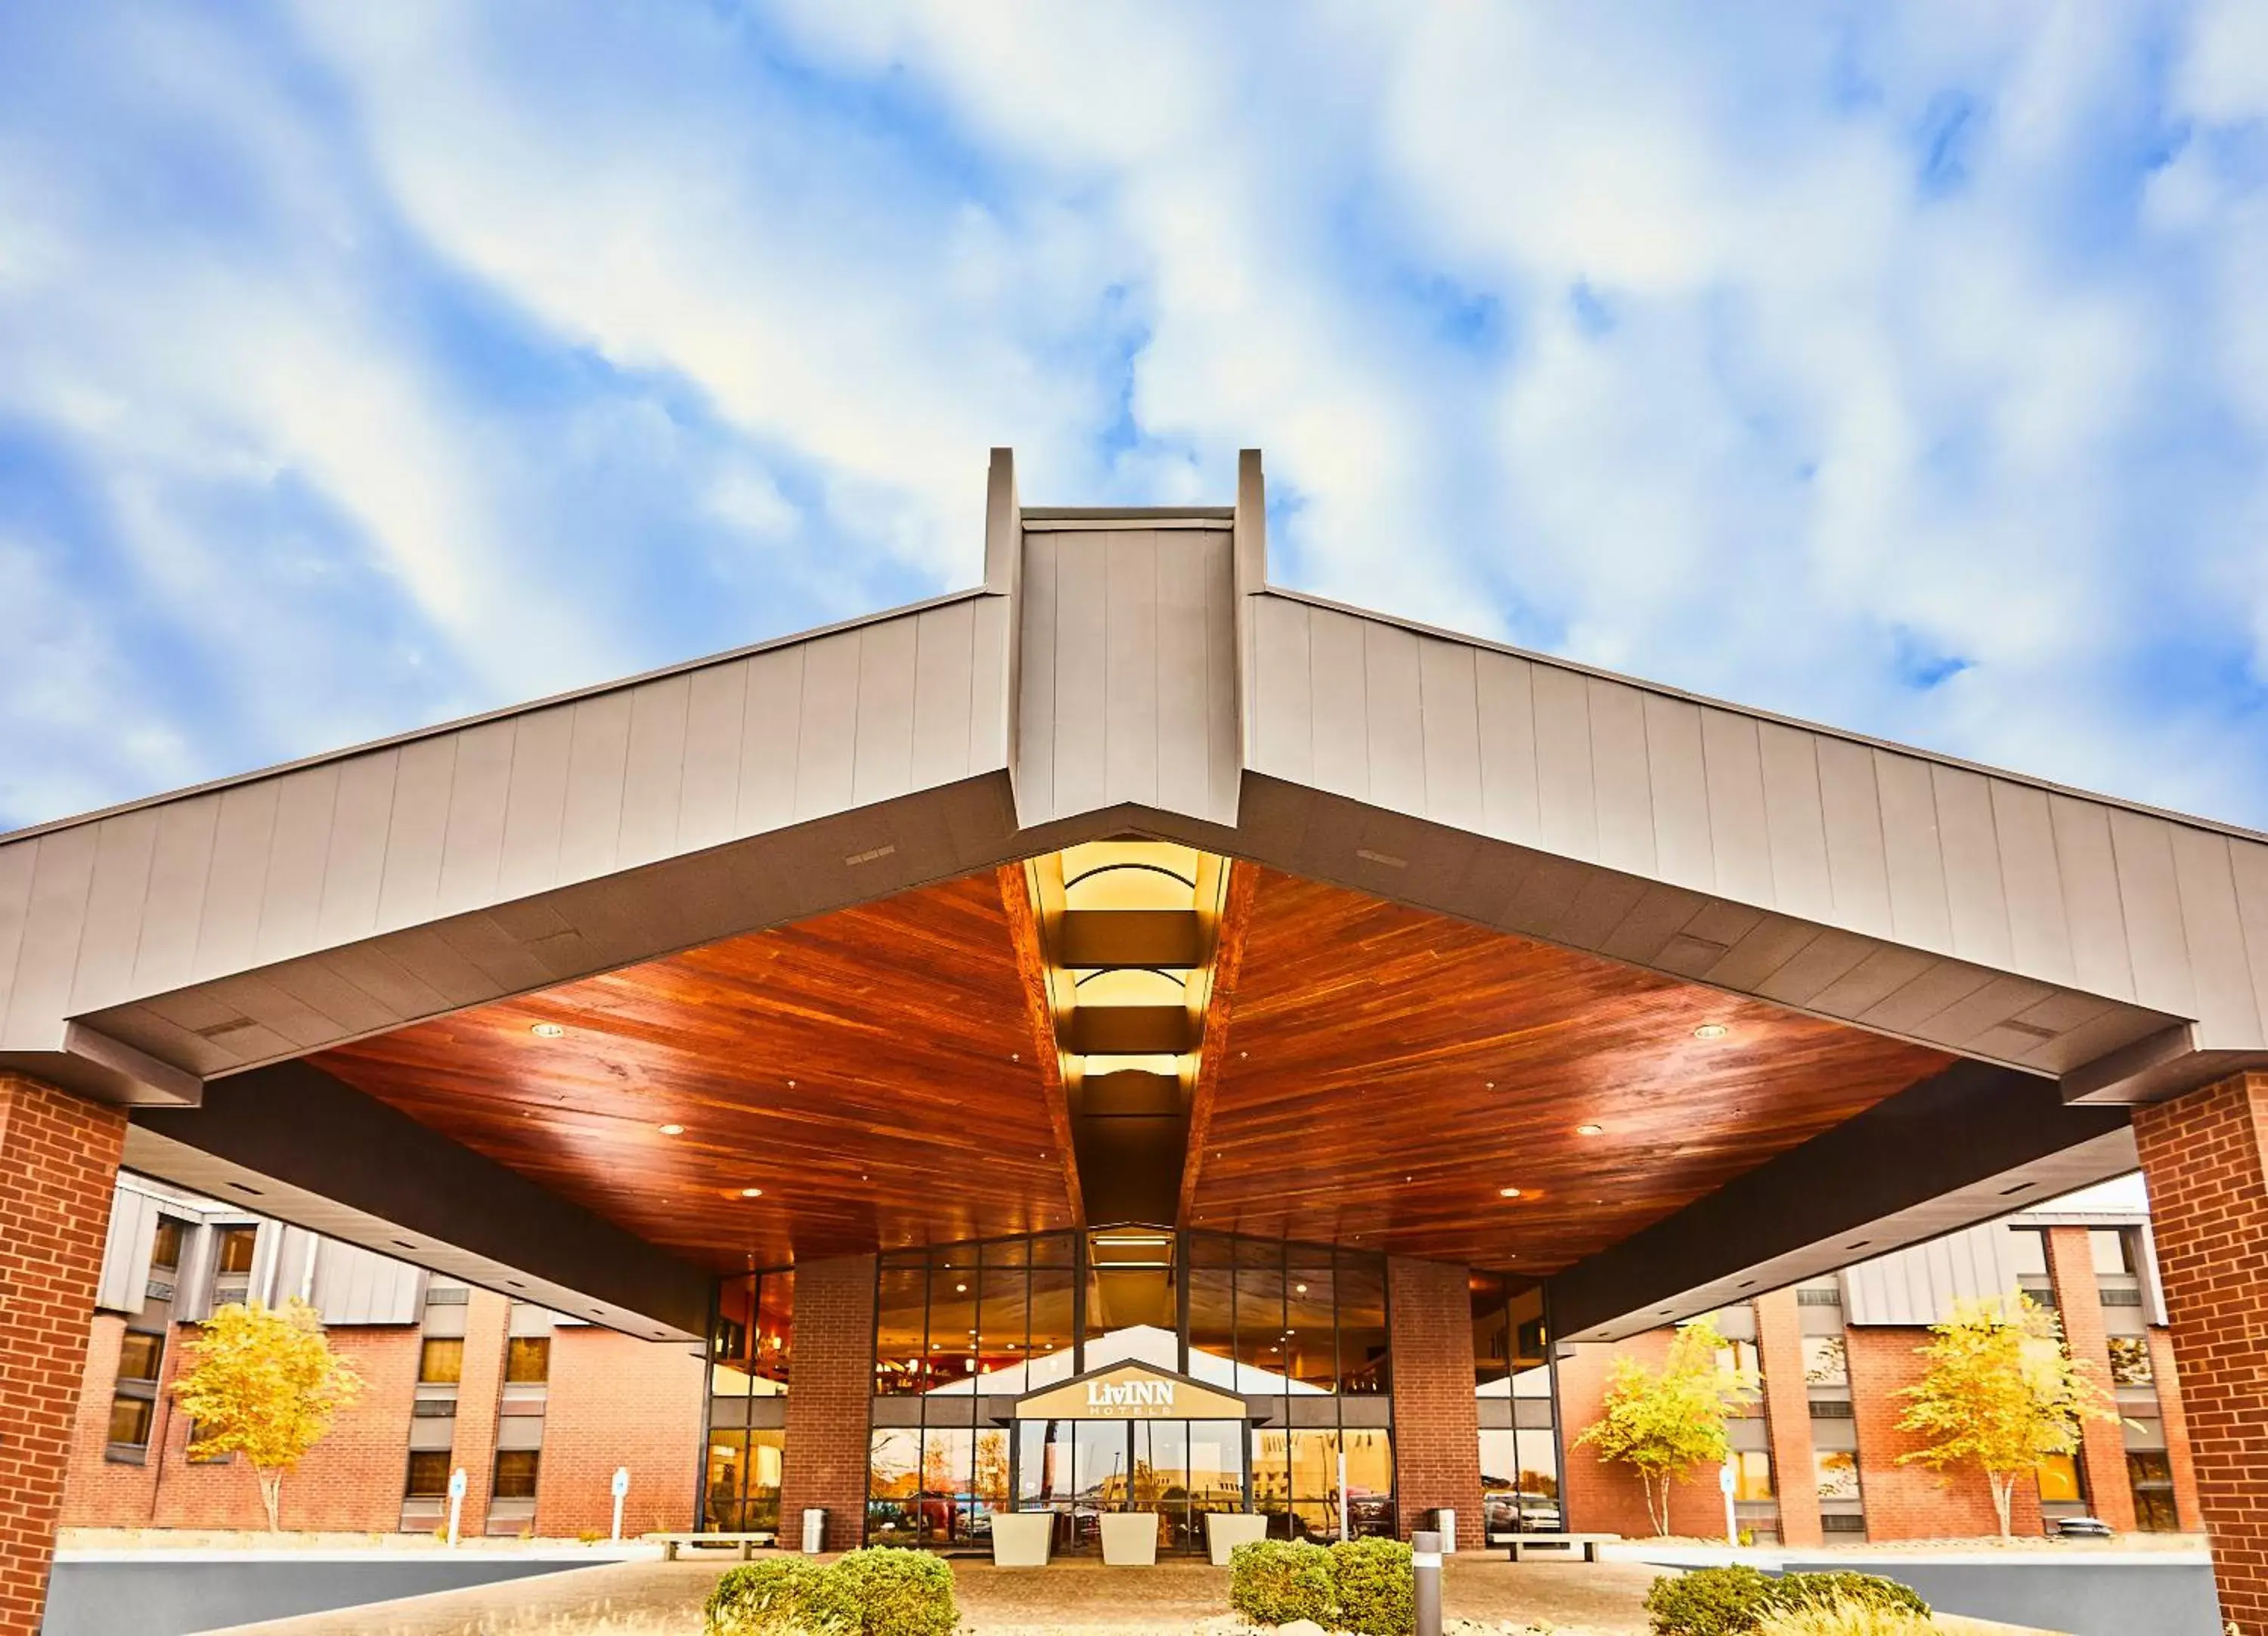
{"type": "Point", "coordinates": [1032, 970]}
{"type": "Point", "coordinates": [1220, 1002]}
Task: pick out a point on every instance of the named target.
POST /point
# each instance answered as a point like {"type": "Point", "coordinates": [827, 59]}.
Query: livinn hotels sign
{"type": "Point", "coordinates": [1130, 1395]}
{"type": "Point", "coordinates": [1130, 1391]}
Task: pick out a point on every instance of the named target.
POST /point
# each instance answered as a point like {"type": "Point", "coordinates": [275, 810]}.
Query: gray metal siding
{"type": "Point", "coordinates": [1127, 681]}
{"type": "Point", "coordinates": [153, 916]}
{"type": "Point", "coordinates": [356, 1285]}
{"type": "Point", "coordinates": [124, 1283]}
{"type": "Point", "coordinates": [1940, 903]}
{"type": "Point", "coordinates": [1920, 1286]}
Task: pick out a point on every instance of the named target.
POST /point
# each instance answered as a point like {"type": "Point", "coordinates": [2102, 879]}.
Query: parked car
{"type": "Point", "coordinates": [2080, 1527]}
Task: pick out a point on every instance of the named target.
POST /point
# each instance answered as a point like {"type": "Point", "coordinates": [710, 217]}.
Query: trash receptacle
{"type": "Point", "coordinates": [814, 1531]}
{"type": "Point", "coordinates": [1445, 1521]}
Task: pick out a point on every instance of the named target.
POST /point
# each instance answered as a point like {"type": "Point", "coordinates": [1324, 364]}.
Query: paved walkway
{"type": "Point", "coordinates": [664, 1599]}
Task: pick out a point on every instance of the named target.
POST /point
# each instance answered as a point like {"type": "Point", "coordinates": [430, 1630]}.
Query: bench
{"type": "Point", "coordinates": [672, 1544]}
{"type": "Point", "coordinates": [1567, 1546]}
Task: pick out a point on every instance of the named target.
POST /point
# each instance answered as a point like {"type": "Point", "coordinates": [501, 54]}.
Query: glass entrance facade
{"type": "Point", "coordinates": [962, 1331]}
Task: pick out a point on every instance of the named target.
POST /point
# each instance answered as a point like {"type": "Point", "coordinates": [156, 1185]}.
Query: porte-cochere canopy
{"type": "Point", "coordinates": [1127, 887]}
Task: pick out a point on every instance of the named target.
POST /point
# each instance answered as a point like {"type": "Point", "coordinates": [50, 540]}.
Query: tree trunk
{"type": "Point", "coordinates": [1657, 1501]}
{"type": "Point", "coordinates": [271, 1498]}
{"type": "Point", "coordinates": [2004, 1487]}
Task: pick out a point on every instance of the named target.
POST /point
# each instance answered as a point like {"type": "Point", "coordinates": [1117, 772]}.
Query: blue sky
{"type": "Point", "coordinates": [1901, 367]}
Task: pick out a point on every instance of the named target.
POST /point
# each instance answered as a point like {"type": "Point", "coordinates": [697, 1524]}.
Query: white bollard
{"type": "Point", "coordinates": [457, 1481]}
{"type": "Point", "coordinates": [621, 1488]}
{"type": "Point", "coordinates": [1425, 1566]}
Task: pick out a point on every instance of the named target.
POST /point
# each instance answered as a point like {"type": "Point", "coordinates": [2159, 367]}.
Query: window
{"type": "Point", "coordinates": [129, 1421]}
{"type": "Point", "coordinates": [515, 1473]}
{"type": "Point", "coordinates": [1751, 1474]}
{"type": "Point", "coordinates": [2027, 1248]}
{"type": "Point", "coordinates": [429, 1474]}
{"type": "Point", "coordinates": [528, 1360]}
{"type": "Point", "coordinates": [2113, 1250]}
{"type": "Point", "coordinates": [741, 1492]}
{"type": "Point", "coordinates": [2150, 1473]}
{"type": "Point", "coordinates": [2130, 1360]}
{"type": "Point", "coordinates": [2058, 1476]}
{"type": "Point", "coordinates": [232, 1252]}
{"type": "Point", "coordinates": [1837, 1471]}
{"type": "Point", "coordinates": [196, 1435]}
{"type": "Point", "coordinates": [139, 1355]}
{"type": "Point", "coordinates": [1739, 1358]}
{"type": "Point", "coordinates": [441, 1362]}
{"type": "Point", "coordinates": [1826, 1360]}
{"type": "Point", "coordinates": [165, 1248]}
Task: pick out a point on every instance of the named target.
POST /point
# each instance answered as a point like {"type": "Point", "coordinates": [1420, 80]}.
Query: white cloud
{"type": "Point", "coordinates": [1791, 360]}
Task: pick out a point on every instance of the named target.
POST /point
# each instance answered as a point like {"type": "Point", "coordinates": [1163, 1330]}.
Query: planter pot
{"type": "Point", "coordinates": [1129, 1539]}
{"type": "Point", "coordinates": [1022, 1539]}
{"type": "Point", "coordinates": [1225, 1530]}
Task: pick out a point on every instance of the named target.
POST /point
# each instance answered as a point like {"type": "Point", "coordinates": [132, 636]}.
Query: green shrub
{"type": "Point", "coordinates": [762, 1598]}
{"type": "Point", "coordinates": [1868, 1591]}
{"type": "Point", "coordinates": [1274, 1582]}
{"type": "Point", "coordinates": [1374, 1588]}
{"type": "Point", "coordinates": [1709, 1601]}
{"type": "Point", "coordinates": [882, 1591]}
{"type": "Point", "coordinates": [1733, 1601]}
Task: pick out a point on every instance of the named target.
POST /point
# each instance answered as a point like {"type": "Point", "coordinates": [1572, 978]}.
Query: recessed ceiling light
{"type": "Point", "coordinates": [1299, 1289]}
{"type": "Point", "coordinates": [670, 1130]}
{"type": "Point", "coordinates": [960, 1289]}
{"type": "Point", "coordinates": [546, 1030]}
{"type": "Point", "coordinates": [1507, 1192]}
{"type": "Point", "coordinates": [752, 1192]}
{"type": "Point", "coordinates": [1590, 1130]}
{"type": "Point", "coordinates": [1711, 1031]}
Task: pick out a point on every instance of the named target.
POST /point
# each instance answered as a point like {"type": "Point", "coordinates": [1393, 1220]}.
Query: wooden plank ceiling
{"type": "Point", "coordinates": [873, 1071]}
{"type": "Point", "coordinates": [1375, 1074]}
{"type": "Point", "coordinates": [1387, 1072]}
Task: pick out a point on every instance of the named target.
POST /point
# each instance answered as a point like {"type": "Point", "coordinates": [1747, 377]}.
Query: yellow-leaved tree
{"type": "Point", "coordinates": [2001, 1393]}
{"type": "Point", "coordinates": [1666, 1421]}
{"type": "Point", "coordinates": [263, 1383]}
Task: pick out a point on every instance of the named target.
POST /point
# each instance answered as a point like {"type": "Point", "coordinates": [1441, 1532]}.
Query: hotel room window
{"type": "Point", "coordinates": [528, 1360]}
{"type": "Point", "coordinates": [515, 1473]}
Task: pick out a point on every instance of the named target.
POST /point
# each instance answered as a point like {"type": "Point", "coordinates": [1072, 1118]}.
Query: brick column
{"type": "Point", "coordinates": [829, 1399]}
{"type": "Point", "coordinates": [1787, 1417]}
{"type": "Point", "coordinates": [58, 1163]}
{"type": "Point", "coordinates": [1436, 1439]}
{"type": "Point", "coordinates": [2204, 1156]}
{"type": "Point", "coordinates": [480, 1398]}
{"type": "Point", "coordinates": [2102, 1443]}
{"type": "Point", "coordinates": [2166, 1375]}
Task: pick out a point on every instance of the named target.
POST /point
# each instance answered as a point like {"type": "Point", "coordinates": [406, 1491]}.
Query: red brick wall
{"type": "Point", "coordinates": [479, 1395]}
{"type": "Point", "coordinates": [1437, 1440]}
{"type": "Point", "coordinates": [1914, 1501]}
{"type": "Point", "coordinates": [2103, 1443]}
{"type": "Point", "coordinates": [58, 1165]}
{"type": "Point", "coordinates": [1787, 1414]}
{"type": "Point", "coordinates": [829, 1400]}
{"type": "Point", "coordinates": [1606, 1497]}
{"type": "Point", "coordinates": [617, 1401]}
{"type": "Point", "coordinates": [2208, 1177]}
{"type": "Point", "coordinates": [2163, 1370]}
{"type": "Point", "coordinates": [96, 1492]}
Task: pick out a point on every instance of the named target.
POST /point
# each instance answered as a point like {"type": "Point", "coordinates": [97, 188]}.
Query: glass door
{"type": "Point", "coordinates": [1178, 1469]}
